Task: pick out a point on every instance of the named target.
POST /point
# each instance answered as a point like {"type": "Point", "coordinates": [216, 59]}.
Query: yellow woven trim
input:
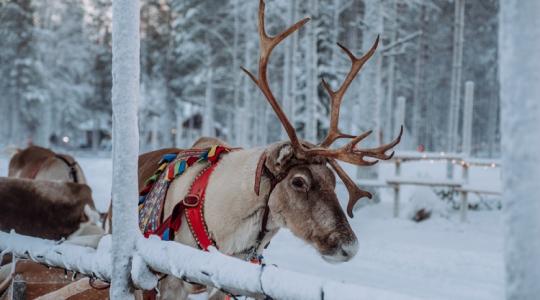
{"type": "Point", "coordinates": [162, 167]}
{"type": "Point", "coordinates": [212, 151]}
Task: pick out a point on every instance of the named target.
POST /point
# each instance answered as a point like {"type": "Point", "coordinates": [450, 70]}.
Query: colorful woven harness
{"type": "Point", "coordinates": [152, 196]}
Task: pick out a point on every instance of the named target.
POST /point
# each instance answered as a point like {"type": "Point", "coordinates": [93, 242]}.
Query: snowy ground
{"type": "Point", "coordinates": [440, 258]}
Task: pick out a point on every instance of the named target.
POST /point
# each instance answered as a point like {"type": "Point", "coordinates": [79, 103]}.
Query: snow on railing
{"type": "Point", "coordinates": [62, 254]}
{"type": "Point", "coordinates": [208, 268]}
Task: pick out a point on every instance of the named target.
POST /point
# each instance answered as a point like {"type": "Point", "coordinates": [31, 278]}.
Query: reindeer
{"type": "Point", "coordinates": [57, 205]}
{"type": "Point", "coordinates": [43, 164]}
{"type": "Point", "coordinates": [59, 193]}
{"type": "Point", "coordinates": [288, 184]}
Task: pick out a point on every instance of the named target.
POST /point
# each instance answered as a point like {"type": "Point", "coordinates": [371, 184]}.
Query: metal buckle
{"type": "Point", "coordinates": [191, 200]}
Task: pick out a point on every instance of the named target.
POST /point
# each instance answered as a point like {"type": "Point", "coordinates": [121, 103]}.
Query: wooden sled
{"type": "Point", "coordinates": [35, 281]}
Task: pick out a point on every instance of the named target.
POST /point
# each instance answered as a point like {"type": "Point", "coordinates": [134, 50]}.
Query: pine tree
{"type": "Point", "coordinates": [99, 104]}
{"type": "Point", "coordinates": [64, 51]}
{"type": "Point", "coordinates": [23, 73]}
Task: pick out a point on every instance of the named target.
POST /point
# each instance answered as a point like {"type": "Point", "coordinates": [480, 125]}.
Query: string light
{"type": "Point", "coordinates": [445, 156]}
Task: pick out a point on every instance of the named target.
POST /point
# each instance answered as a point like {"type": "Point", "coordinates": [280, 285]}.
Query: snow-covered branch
{"type": "Point", "coordinates": [401, 41]}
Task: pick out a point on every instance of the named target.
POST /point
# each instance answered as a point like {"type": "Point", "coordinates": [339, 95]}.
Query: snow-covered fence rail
{"type": "Point", "coordinates": [208, 268]}
{"type": "Point", "coordinates": [85, 260]}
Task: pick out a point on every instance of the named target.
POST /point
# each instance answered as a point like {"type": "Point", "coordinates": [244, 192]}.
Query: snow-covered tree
{"type": "Point", "coordinates": [98, 15]}
{"type": "Point", "coordinates": [183, 40]}
{"type": "Point", "coordinates": [22, 72]}
{"type": "Point", "coordinates": [64, 50]}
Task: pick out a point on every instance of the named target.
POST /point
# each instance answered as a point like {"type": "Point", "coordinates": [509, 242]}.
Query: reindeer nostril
{"type": "Point", "coordinates": [344, 253]}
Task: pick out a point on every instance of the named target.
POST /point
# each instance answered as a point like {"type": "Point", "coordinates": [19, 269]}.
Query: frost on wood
{"type": "Point", "coordinates": [141, 275]}
{"type": "Point", "coordinates": [215, 269]}
{"type": "Point", "coordinates": [84, 260]}
{"type": "Point", "coordinates": [520, 115]}
{"type": "Point", "coordinates": [125, 96]}
{"type": "Point", "coordinates": [209, 268]}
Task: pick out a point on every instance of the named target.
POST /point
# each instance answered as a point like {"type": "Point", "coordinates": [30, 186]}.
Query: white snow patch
{"type": "Point", "coordinates": [425, 198]}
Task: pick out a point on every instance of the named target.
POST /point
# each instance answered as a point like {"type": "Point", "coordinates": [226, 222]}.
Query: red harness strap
{"type": "Point", "coordinates": [194, 208]}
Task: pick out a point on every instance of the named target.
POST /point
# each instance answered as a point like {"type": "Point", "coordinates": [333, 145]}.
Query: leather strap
{"type": "Point", "coordinates": [71, 165]}
{"type": "Point", "coordinates": [259, 173]}
{"type": "Point", "coordinates": [194, 208]}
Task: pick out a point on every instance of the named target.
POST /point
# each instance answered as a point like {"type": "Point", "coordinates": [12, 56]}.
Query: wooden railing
{"type": "Point", "coordinates": [460, 185]}
{"type": "Point", "coordinates": [208, 268]}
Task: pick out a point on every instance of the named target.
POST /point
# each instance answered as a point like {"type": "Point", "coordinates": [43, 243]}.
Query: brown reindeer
{"type": "Point", "coordinates": [58, 196]}
{"type": "Point", "coordinates": [40, 163]}
{"type": "Point", "coordinates": [45, 165]}
{"type": "Point", "coordinates": [289, 184]}
{"type": "Point", "coordinates": [58, 204]}
{"type": "Point", "coordinates": [46, 209]}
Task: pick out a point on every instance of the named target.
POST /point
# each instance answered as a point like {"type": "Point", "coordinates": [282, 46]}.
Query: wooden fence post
{"type": "Point", "coordinates": [125, 98]}
{"type": "Point", "coordinates": [466, 144]}
{"type": "Point", "coordinates": [396, 189]}
{"type": "Point", "coordinates": [464, 205]}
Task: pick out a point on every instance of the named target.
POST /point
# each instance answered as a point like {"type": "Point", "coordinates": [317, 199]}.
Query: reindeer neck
{"type": "Point", "coordinates": [233, 211]}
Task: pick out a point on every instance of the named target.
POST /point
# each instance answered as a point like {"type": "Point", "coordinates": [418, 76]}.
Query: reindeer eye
{"type": "Point", "coordinates": [299, 183]}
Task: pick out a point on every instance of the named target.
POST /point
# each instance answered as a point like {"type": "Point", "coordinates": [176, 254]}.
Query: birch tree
{"type": "Point", "coordinates": [368, 111]}
{"type": "Point", "coordinates": [312, 97]}
{"type": "Point", "coordinates": [457, 67]}
{"type": "Point", "coordinates": [520, 94]}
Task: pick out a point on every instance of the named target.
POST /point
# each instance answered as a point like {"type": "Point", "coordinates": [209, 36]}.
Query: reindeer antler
{"type": "Point", "coordinates": [355, 193]}
{"type": "Point", "coordinates": [337, 96]}
{"type": "Point", "coordinates": [267, 44]}
{"type": "Point", "coordinates": [348, 153]}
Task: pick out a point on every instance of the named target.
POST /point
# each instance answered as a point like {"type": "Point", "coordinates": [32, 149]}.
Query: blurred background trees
{"type": "Point", "coordinates": [55, 65]}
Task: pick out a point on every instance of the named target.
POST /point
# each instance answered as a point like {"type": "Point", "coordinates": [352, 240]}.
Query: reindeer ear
{"type": "Point", "coordinates": [279, 158]}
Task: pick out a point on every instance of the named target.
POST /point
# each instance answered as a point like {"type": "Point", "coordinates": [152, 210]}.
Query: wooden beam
{"type": "Point", "coordinates": [69, 290]}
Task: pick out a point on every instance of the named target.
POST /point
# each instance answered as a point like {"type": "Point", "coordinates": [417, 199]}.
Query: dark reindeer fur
{"type": "Point", "coordinates": [45, 209]}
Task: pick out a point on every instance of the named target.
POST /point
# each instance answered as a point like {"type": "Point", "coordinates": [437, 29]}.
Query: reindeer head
{"type": "Point", "coordinates": [304, 200]}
